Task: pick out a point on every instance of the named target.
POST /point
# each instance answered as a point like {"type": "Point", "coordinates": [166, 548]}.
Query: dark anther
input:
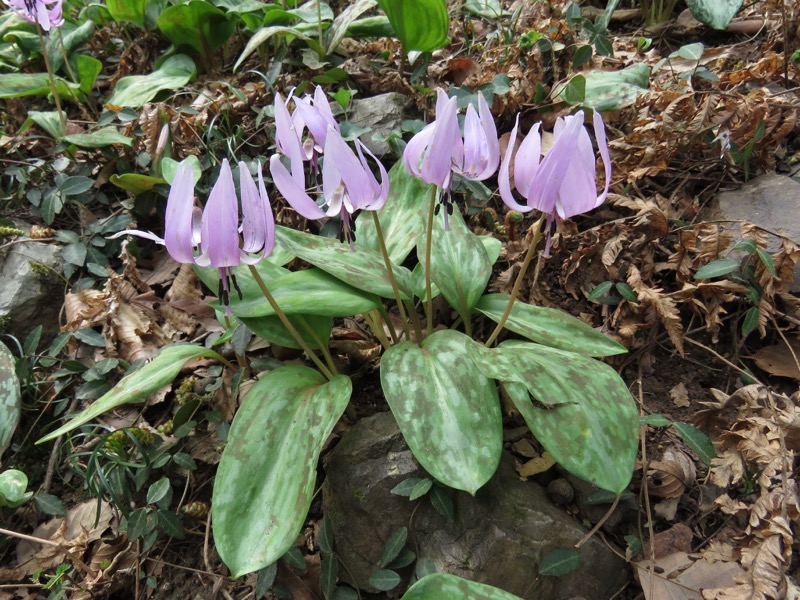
{"type": "Point", "coordinates": [236, 285]}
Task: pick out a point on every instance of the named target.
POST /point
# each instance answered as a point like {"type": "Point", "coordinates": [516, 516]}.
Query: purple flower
{"type": "Point", "coordinates": [313, 114]}
{"type": "Point", "coordinates": [348, 184]}
{"type": "Point", "coordinates": [564, 182]}
{"type": "Point", "coordinates": [439, 150]}
{"type": "Point", "coordinates": [213, 236]}
{"type": "Point", "coordinates": [37, 11]}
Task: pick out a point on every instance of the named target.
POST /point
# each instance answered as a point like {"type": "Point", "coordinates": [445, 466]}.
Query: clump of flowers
{"type": "Point", "coordinates": [47, 13]}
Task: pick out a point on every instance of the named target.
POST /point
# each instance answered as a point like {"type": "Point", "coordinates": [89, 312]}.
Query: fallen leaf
{"type": "Point", "coordinates": [780, 359]}
{"type": "Point", "coordinates": [680, 395]}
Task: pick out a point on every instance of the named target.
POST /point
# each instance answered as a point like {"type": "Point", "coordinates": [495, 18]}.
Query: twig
{"type": "Point", "coordinates": [600, 523]}
{"type": "Point", "coordinates": [645, 491]}
{"type": "Point", "coordinates": [29, 538]}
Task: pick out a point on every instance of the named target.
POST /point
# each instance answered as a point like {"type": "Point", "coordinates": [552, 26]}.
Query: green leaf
{"type": "Point", "coordinates": [138, 385]}
{"type": "Point", "coordinates": [72, 186]}
{"type": "Point", "coordinates": [549, 326]}
{"type": "Point", "coordinates": [325, 536]}
{"type": "Point", "coordinates": [697, 441]}
{"type": "Point", "coordinates": [20, 85]}
{"type": "Point", "coordinates": [401, 218]}
{"type": "Point", "coordinates": [87, 68]}
{"type": "Point", "coordinates": [582, 56]}
{"type": "Point", "coordinates": [363, 269]}
{"type": "Point", "coordinates": [384, 580]}
{"type": "Point", "coordinates": [589, 424]}
{"type": "Point", "coordinates": [266, 477]}
{"type": "Point", "coordinates": [73, 38]}
{"type": "Point", "coordinates": [448, 411]}
{"type": "Point", "coordinates": [656, 420]}
{"type": "Point", "coordinates": [419, 24]}
{"type": "Point", "coordinates": [405, 487]}
{"type": "Point", "coordinates": [490, 9]}
{"type": "Point", "coordinates": [422, 487]}
{"type": "Point", "coordinates": [127, 11]}
{"type": "Point", "coordinates": [139, 523]}
{"type": "Point", "coordinates": [460, 265]}
{"type": "Point", "coordinates": [442, 501]}
{"type": "Point", "coordinates": [574, 92]}
{"type": "Point", "coordinates": [311, 292]}
{"type": "Point", "coordinates": [600, 290]}
{"type": "Point", "coordinates": [49, 121]}
{"type": "Point", "coordinates": [75, 254]}
{"type": "Point", "coordinates": [341, 23]}
{"type": "Point", "coordinates": [714, 13]}
{"type": "Point", "coordinates": [443, 585]}
{"type": "Point", "coordinates": [10, 398]}
{"type": "Point", "coordinates": [197, 25]}
{"type": "Point", "coordinates": [315, 330]}
{"type": "Point", "coordinates": [378, 26]}
{"type": "Point", "coordinates": [717, 268]}
{"type": "Point", "coordinates": [766, 259]}
{"type": "Point", "coordinates": [136, 183]}
{"type": "Point", "coordinates": [134, 91]}
{"type": "Point", "coordinates": [329, 573]}
{"type": "Point", "coordinates": [170, 524]}
{"type": "Point", "coordinates": [265, 33]}
{"type": "Point", "coordinates": [49, 504]}
{"type": "Point", "coordinates": [559, 562]}
{"type": "Point", "coordinates": [613, 90]}
{"type": "Point", "coordinates": [158, 490]}
{"type": "Point", "coordinates": [627, 292]}
{"type": "Point", "coordinates": [106, 136]}
{"type": "Point", "coordinates": [750, 322]}
{"type": "Point", "coordinates": [689, 51]}
{"type": "Point", "coordinates": [393, 546]}
{"type": "Point", "coordinates": [13, 484]}
{"type": "Point", "coordinates": [169, 167]}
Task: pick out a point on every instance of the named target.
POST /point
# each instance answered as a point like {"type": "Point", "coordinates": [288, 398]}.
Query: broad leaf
{"type": "Point", "coordinates": [438, 586]}
{"type": "Point", "coordinates": [448, 411]}
{"type": "Point", "coordinates": [402, 218]}
{"type": "Point", "coordinates": [138, 385]}
{"type": "Point", "coordinates": [134, 91]}
{"type": "Point", "coordinates": [106, 136]}
{"type": "Point", "coordinates": [339, 27]}
{"type": "Point", "coordinates": [594, 434]}
{"type": "Point", "coordinates": [20, 85]}
{"type": "Point", "coordinates": [265, 33]}
{"type": "Point", "coordinates": [363, 269]}
{"type": "Point", "coordinates": [714, 13]}
{"type": "Point", "coordinates": [136, 183]}
{"type": "Point", "coordinates": [315, 330]}
{"type": "Point", "coordinates": [266, 477]}
{"type": "Point", "coordinates": [460, 265]}
{"type": "Point", "coordinates": [419, 24]}
{"type": "Point", "coordinates": [73, 37]}
{"type": "Point", "coordinates": [559, 562]}
{"type": "Point", "coordinates": [549, 326]}
{"type": "Point", "coordinates": [127, 11]}
{"type": "Point", "coordinates": [611, 90]}
{"type": "Point", "coordinates": [10, 399]}
{"type": "Point", "coordinates": [198, 25]}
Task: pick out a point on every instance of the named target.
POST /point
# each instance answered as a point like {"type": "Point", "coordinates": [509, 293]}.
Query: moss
{"type": "Point", "coordinates": [5, 322]}
{"type": "Point", "coordinates": [41, 271]}
{"type": "Point", "coordinates": [359, 495]}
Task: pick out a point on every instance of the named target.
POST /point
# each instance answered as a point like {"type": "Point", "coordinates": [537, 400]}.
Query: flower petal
{"type": "Point", "coordinates": [602, 146]}
{"type": "Point", "coordinates": [219, 235]}
{"type": "Point", "coordinates": [504, 176]}
{"type": "Point", "coordinates": [377, 201]}
{"type": "Point", "coordinates": [254, 227]}
{"type": "Point", "coordinates": [437, 164]}
{"type": "Point", "coordinates": [294, 193]}
{"type": "Point", "coordinates": [492, 141]}
{"type": "Point", "coordinates": [178, 224]}
{"type": "Point", "coordinates": [416, 148]}
{"type": "Point", "coordinates": [529, 157]}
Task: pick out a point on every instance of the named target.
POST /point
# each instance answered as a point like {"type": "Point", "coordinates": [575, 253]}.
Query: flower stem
{"type": "Point", "coordinates": [52, 79]}
{"type": "Point", "coordinates": [374, 320]}
{"type": "Point", "coordinates": [428, 246]}
{"type": "Point", "coordinates": [288, 324]}
{"type": "Point", "coordinates": [412, 310]}
{"type": "Point", "coordinates": [536, 229]}
{"type": "Point", "coordinates": [240, 360]}
{"type": "Point", "coordinates": [319, 21]}
{"type": "Point", "coordinates": [387, 261]}
{"type": "Point", "coordinates": [384, 317]}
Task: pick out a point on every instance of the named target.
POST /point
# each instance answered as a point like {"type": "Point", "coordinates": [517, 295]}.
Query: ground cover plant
{"type": "Point", "coordinates": [248, 268]}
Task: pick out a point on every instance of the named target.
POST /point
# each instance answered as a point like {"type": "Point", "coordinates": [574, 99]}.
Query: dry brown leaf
{"type": "Point", "coordinates": [536, 465]}
{"type": "Point", "coordinates": [680, 395]}
{"type": "Point", "coordinates": [780, 359]}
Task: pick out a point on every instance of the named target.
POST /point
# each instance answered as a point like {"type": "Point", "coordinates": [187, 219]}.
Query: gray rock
{"type": "Point", "coordinates": [383, 114]}
{"type": "Point", "coordinates": [32, 292]}
{"type": "Point", "coordinates": [498, 537]}
{"type": "Point", "coordinates": [770, 201]}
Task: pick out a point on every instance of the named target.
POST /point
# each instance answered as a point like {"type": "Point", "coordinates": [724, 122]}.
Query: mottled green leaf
{"type": "Point", "coordinates": [315, 330]}
{"type": "Point", "coordinates": [10, 399]}
{"type": "Point", "coordinates": [138, 385]}
{"type": "Point", "coordinates": [384, 580]}
{"type": "Point", "coordinates": [340, 24]}
{"type": "Point", "coordinates": [611, 90]}
{"type": "Point", "coordinates": [19, 85]}
{"type": "Point", "coordinates": [13, 484]}
{"type": "Point", "coordinates": [363, 269]}
{"type": "Point", "coordinates": [447, 410]}
{"type": "Point", "coordinates": [438, 586]}
{"type": "Point", "coordinates": [134, 91]}
{"type": "Point", "coordinates": [595, 435]}
{"type": "Point", "coordinates": [72, 36]}
{"type": "Point", "coordinates": [106, 136]}
{"type": "Point", "coordinates": [127, 11]}
{"type": "Point", "coordinates": [266, 477]}
{"type": "Point", "coordinates": [265, 33]}
{"type": "Point", "coordinates": [549, 326]}
{"type": "Point", "coordinates": [460, 265]}
{"type": "Point", "coordinates": [402, 218]}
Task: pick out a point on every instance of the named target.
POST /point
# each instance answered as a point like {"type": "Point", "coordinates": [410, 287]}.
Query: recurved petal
{"type": "Point", "coordinates": [492, 141]}
{"type": "Point", "coordinates": [178, 223]}
{"type": "Point", "coordinates": [437, 164]}
{"type": "Point", "coordinates": [504, 176]}
{"type": "Point", "coordinates": [416, 148]}
{"type": "Point", "coordinates": [253, 212]}
{"type": "Point", "coordinates": [475, 148]}
{"type": "Point", "coordinates": [602, 146]}
{"type": "Point", "coordinates": [219, 234]}
{"type": "Point", "coordinates": [294, 193]}
{"type": "Point", "coordinates": [380, 193]}
{"type": "Point", "coordinates": [527, 162]}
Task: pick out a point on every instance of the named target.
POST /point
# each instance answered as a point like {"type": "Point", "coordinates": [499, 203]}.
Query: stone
{"type": "Point", "coordinates": [769, 201]}
{"type": "Point", "coordinates": [498, 537]}
{"type": "Point", "coordinates": [32, 290]}
{"type": "Point", "coordinates": [383, 114]}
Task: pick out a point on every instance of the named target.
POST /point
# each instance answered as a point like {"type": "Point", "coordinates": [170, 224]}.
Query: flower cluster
{"type": "Point", "coordinates": [561, 184]}
{"type": "Point", "coordinates": [47, 13]}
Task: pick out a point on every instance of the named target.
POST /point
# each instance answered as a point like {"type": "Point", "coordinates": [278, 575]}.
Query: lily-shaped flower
{"type": "Point", "coordinates": [315, 114]}
{"type": "Point", "coordinates": [564, 182]}
{"type": "Point", "coordinates": [348, 184]}
{"type": "Point", "coordinates": [439, 150]}
{"type": "Point", "coordinates": [213, 236]}
{"type": "Point", "coordinates": [47, 13]}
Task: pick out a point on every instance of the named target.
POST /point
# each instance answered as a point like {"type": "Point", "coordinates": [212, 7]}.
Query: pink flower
{"type": "Point", "coordinates": [348, 184]}
{"type": "Point", "coordinates": [564, 182]}
{"type": "Point", "coordinates": [213, 236]}
{"type": "Point", "coordinates": [37, 11]}
{"type": "Point", "coordinates": [440, 150]}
